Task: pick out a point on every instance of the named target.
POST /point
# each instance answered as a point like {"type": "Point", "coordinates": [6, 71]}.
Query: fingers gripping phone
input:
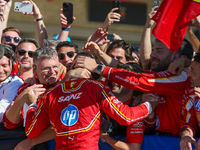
{"type": "Point", "coordinates": [20, 7]}
{"type": "Point", "coordinates": [116, 4]}
{"type": "Point", "coordinates": [156, 3]}
{"type": "Point", "coordinates": [68, 11]}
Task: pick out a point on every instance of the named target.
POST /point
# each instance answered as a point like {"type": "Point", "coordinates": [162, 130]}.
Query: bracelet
{"type": "Point", "coordinates": [1, 17]}
{"type": "Point", "coordinates": [105, 30]}
{"type": "Point", "coordinates": [65, 29]}
{"type": "Point", "coordinates": [39, 19]}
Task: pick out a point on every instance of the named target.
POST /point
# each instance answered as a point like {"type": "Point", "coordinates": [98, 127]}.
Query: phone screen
{"type": "Point", "coordinates": [68, 11]}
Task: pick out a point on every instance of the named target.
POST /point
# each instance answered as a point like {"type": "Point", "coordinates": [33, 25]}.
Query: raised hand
{"type": "Point", "coordinates": [149, 22]}
{"type": "Point", "coordinates": [111, 17]}
{"type": "Point", "coordinates": [99, 37]}
{"type": "Point", "coordinates": [63, 21]}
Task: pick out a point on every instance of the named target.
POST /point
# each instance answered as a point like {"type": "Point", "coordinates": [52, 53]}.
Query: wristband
{"type": "Point", "coordinates": [105, 30]}
{"type": "Point", "coordinates": [39, 19]}
{"type": "Point", "coordinates": [65, 29]}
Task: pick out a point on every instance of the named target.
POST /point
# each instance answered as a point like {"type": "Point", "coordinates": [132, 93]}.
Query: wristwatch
{"type": "Point", "coordinates": [99, 69]}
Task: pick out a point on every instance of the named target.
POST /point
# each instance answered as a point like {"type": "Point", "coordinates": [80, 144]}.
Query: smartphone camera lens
{"type": "Point", "coordinates": [65, 6]}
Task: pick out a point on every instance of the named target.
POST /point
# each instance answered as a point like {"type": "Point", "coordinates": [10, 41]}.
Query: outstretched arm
{"type": "Point", "coordinates": [119, 145]}
{"type": "Point", "coordinates": [6, 13]}
{"type": "Point", "coordinates": [13, 114]}
{"type": "Point", "coordinates": [41, 29]}
{"type": "Point", "coordinates": [100, 35]}
{"type": "Point", "coordinates": [65, 27]}
{"type": "Point", "coordinates": [94, 49]}
{"type": "Point", "coordinates": [186, 139]}
{"type": "Point", "coordinates": [2, 8]}
{"type": "Point", "coordinates": [193, 39]}
{"type": "Point", "coordinates": [145, 44]}
{"type": "Point", "coordinates": [26, 144]}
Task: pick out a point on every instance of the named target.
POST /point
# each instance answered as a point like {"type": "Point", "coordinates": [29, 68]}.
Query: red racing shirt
{"type": "Point", "coordinates": [7, 123]}
{"type": "Point", "coordinates": [170, 87]}
{"type": "Point", "coordinates": [74, 110]}
{"type": "Point", "coordinates": [190, 110]}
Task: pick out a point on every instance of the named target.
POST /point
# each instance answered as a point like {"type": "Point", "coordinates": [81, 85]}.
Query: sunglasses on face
{"type": "Point", "coordinates": [23, 52]}
{"type": "Point", "coordinates": [9, 38]}
{"type": "Point", "coordinates": [70, 54]}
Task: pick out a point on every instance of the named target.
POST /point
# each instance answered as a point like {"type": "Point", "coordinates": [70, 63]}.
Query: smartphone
{"type": "Point", "coordinates": [68, 11]}
{"type": "Point", "coordinates": [106, 126]}
{"type": "Point", "coordinates": [156, 3]}
{"type": "Point", "coordinates": [110, 37]}
{"type": "Point", "coordinates": [116, 4]}
{"type": "Point", "coordinates": [20, 7]}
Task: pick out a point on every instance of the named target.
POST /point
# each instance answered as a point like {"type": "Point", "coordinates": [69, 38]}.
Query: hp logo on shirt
{"type": "Point", "coordinates": [69, 115]}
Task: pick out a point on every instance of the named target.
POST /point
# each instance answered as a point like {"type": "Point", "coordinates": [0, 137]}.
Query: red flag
{"type": "Point", "coordinates": [172, 19]}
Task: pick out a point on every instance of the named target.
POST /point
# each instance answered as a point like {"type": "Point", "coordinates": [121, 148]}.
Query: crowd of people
{"type": "Point", "coordinates": [107, 90]}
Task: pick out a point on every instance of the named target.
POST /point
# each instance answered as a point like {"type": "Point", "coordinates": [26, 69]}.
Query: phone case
{"type": "Point", "coordinates": [106, 126]}
{"type": "Point", "coordinates": [156, 3]}
{"type": "Point", "coordinates": [20, 7]}
{"type": "Point", "coordinates": [116, 4]}
{"type": "Point", "coordinates": [68, 11]}
{"type": "Point", "coordinates": [110, 37]}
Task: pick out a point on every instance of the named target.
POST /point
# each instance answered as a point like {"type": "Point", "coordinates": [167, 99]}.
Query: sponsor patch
{"type": "Point", "coordinates": [69, 115]}
{"type": "Point", "coordinates": [69, 97]}
{"type": "Point", "coordinates": [157, 122]}
{"type": "Point", "coordinates": [197, 105]}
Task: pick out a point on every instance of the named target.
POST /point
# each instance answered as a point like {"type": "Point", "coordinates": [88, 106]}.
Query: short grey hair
{"type": "Point", "coordinates": [43, 53]}
{"type": "Point", "coordinates": [50, 42]}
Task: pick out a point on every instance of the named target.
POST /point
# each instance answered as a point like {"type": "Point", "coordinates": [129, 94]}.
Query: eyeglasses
{"type": "Point", "coordinates": [49, 68]}
{"type": "Point", "coordinates": [70, 54]}
{"type": "Point", "coordinates": [9, 38]}
{"type": "Point", "coordinates": [22, 52]}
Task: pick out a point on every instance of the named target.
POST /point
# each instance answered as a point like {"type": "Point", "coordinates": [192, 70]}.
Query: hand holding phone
{"type": "Point", "coordinates": [156, 3]}
{"type": "Point", "coordinates": [68, 11]}
{"type": "Point", "coordinates": [116, 4]}
{"type": "Point", "coordinates": [106, 126]}
{"type": "Point", "coordinates": [21, 7]}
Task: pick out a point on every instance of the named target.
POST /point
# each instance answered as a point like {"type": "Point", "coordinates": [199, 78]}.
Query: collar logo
{"type": "Point", "coordinates": [198, 1]}
{"type": "Point", "coordinates": [72, 84]}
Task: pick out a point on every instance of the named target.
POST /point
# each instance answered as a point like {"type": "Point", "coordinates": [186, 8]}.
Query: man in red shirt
{"type": "Point", "coordinates": [74, 110]}
{"type": "Point", "coordinates": [170, 87]}
{"type": "Point", "coordinates": [47, 73]}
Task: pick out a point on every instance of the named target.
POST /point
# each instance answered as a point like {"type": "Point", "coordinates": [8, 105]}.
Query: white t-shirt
{"type": "Point", "coordinates": [8, 92]}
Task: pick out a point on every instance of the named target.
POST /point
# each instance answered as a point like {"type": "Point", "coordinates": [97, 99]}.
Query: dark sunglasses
{"type": "Point", "coordinates": [23, 52]}
{"type": "Point", "coordinates": [70, 54]}
{"type": "Point", "coordinates": [9, 38]}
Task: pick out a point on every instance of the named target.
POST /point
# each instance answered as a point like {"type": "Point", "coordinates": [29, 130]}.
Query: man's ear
{"type": "Point", "coordinates": [34, 67]}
